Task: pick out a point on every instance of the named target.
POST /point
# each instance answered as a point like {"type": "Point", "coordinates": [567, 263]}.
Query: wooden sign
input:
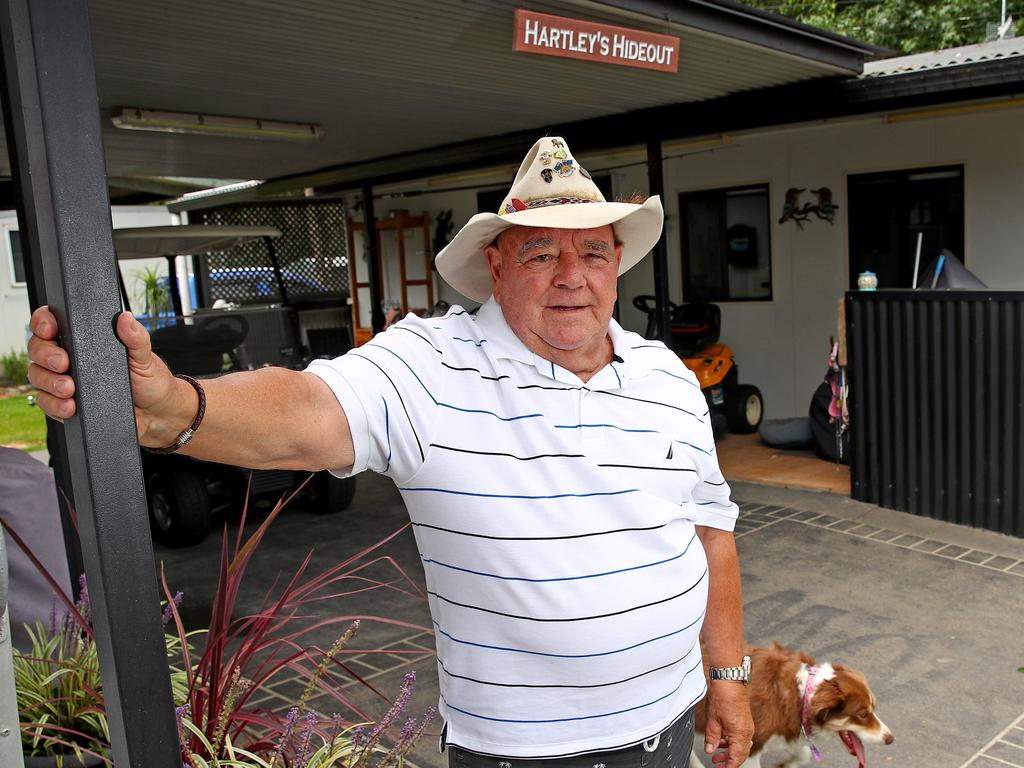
{"type": "Point", "coordinates": [578, 39]}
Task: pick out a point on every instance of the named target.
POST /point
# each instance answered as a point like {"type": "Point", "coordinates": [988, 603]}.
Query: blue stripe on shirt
{"type": "Point", "coordinates": [569, 655]}
{"type": "Point", "coordinates": [675, 376]}
{"type": "Point", "coordinates": [515, 496]}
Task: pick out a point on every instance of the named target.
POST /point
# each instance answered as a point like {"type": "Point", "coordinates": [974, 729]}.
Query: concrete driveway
{"type": "Point", "coordinates": [930, 612]}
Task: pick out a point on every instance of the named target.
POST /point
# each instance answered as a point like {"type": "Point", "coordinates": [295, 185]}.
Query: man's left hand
{"type": "Point", "coordinates": [729, 733]}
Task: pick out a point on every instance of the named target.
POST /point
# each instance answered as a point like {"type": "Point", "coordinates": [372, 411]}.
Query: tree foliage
{"type": "Point", "coordinates": [905, 26]}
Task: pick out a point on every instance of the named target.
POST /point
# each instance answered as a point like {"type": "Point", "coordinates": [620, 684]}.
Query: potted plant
{"type": "Point", "coordinates": [60, 693]}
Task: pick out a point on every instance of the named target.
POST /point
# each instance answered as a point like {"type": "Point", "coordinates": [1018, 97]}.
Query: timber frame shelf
{"type": "Point", "coordinates": [397, 226]}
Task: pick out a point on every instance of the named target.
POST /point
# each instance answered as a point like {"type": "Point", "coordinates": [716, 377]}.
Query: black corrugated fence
{"type": "Point", "coordinates": [937, 404]}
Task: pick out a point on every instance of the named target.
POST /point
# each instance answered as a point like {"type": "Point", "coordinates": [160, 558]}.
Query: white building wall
{"type": "Point", "coordinates": [782, 345]}
{"type": "Point", "coordinates": [14, 304]}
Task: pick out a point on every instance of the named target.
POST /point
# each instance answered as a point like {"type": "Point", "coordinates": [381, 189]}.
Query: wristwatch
{"type": "Point", "coordinates": [740, 674]}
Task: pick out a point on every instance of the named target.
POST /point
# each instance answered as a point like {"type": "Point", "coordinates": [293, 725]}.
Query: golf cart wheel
{"type": "Point", "coordinates": [744, 409]}
{"type": "Point", "coordinates": [326, 494]}
{"type": "Point", "coordinates": [179, 508]}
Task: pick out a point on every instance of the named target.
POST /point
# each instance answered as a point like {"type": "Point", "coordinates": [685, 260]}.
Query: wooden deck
{"type": "Point", "coordinates": [745, 457]}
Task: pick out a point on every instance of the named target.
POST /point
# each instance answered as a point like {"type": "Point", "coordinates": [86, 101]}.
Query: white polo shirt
{"type": "Point", "coordinates": [555, 522]}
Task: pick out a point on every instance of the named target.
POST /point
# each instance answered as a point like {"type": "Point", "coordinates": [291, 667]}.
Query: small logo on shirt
{"type": "Point", "coordinates": [669, 456]}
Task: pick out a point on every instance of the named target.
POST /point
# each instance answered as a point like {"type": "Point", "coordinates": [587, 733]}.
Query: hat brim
{"type": "Point", "coordinates": [463, 266]}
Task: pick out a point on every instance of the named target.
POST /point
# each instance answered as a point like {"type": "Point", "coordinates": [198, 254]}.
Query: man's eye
{"type": "Point", "coordinates": [541, 258]}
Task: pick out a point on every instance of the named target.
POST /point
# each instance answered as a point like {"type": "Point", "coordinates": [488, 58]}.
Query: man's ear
{"type": "Point", "coordinates": [493, 254]}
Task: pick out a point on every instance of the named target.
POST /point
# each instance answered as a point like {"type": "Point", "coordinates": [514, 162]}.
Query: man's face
{"type": "Point", "coordinates": [556, 287]}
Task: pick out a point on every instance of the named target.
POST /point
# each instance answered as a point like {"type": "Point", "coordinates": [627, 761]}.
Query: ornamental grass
{"type": "Point", "coordinates": [60, 693]}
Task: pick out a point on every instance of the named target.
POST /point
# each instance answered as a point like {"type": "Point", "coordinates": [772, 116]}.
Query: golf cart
{"type": "Point", "coordinates": [693, 335]}
{"type": "Point", "coordinates": [182, 492]}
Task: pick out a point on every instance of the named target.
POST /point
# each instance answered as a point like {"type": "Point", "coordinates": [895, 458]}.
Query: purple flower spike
{"type": "Point", "coordinates": [305, 739]}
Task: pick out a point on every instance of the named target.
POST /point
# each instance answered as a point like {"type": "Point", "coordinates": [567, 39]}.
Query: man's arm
{"type": "Point", "coordinates": [271, 418]}
{"type": "Point", "coordinates": [729, 723]}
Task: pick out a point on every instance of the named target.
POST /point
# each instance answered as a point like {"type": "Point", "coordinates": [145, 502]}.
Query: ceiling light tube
{"type": "Point", "coordinates": [137, 119]}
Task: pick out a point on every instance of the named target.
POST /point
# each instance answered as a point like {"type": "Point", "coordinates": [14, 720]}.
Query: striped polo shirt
{"type": "Point", "coordinates": [555, 523]}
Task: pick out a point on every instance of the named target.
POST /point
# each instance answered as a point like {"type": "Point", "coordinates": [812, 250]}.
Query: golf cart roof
{"type": "Point", "coordinates": [184, 240]}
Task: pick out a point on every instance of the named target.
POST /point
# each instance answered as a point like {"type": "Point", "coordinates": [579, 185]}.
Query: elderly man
{"type": "Point", "coordinates": [560, 474]}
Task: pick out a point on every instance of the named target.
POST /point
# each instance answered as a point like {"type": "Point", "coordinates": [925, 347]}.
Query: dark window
{"type": "Point", "coordinates": [489, 200]}
{"type": "Point", "coordinates": [17, 259]}
{"type": "Point", "coordinates": [726, 241]}
{"type": "Point", "coordinates": [888, 211]}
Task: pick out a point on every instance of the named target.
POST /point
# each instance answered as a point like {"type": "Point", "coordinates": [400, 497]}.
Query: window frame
{"type": "Point", "coordinates": [762, 186]}
{"type": "Point", "coordinates": [15, 283]}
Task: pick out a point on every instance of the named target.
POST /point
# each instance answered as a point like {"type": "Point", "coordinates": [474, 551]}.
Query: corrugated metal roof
{"type": "Point", "coordinates": [381, 77]}
{"type": "Point", "coordinates": [950, 57]}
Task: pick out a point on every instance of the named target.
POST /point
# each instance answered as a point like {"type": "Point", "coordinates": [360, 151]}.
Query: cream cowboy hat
{"type": "Point", "coordinates": [550, 190]}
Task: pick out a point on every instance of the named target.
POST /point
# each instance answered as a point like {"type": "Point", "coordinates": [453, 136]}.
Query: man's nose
{"type": "Point", "coordinates": [569, 273]}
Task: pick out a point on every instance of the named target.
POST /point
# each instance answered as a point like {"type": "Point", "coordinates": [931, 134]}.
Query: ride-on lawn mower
{"type": "Point", "coordinates": [693, 336]}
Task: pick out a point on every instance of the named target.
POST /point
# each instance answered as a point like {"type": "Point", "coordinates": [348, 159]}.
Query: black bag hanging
{"type": "Point", "coordinates": [742, 246]}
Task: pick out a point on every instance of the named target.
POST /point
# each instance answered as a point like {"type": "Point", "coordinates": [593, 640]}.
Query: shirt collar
{"type": "Point", "coordinates": [503, 343]}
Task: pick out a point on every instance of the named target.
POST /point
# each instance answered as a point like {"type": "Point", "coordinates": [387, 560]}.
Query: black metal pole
{"type": "Point", "coordinates": [656, 186]}
{"type": "Point", "coordinates": [54, 131]}
{"type": "Point", "coordinates": [172, 278]}
{"type": "Point", "coordinates": [373, 257]}
{"type": "Point", "coordinates": [31, 237]}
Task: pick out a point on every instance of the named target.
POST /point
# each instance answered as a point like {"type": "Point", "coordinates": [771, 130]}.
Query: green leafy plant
{"type": "Point", "coordinates": [15, 366]}
{"type": "Point", "coordinates": [58, 684]}
{"type": "Point", "coordinates": [154, 295]}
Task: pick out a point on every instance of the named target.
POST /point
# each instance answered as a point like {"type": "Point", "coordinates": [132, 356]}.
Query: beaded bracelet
{"type": "Point", "coordinates": [187, 435]}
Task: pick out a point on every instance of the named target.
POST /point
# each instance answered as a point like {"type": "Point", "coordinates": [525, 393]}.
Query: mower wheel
{"type": "Point", "coordinates": [744, 408]}
{"type": "Point", "coordinates": [179, 507]}
{"type": "Point", "coordinates": [325, 494]}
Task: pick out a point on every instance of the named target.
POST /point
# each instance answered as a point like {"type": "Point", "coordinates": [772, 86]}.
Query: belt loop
{"type": "Point", "coordinates": [652, 744]}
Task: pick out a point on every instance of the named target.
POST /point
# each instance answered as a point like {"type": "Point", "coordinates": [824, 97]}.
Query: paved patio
{"type": "Point", "coordinates": [929, 611]}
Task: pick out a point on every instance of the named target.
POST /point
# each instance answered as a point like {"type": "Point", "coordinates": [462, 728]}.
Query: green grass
{"type": "Point", "coordinates": [21, 425]}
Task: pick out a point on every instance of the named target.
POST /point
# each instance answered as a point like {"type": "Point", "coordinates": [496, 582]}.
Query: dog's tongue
{"type": "Point", "coordinates": [854, 746]}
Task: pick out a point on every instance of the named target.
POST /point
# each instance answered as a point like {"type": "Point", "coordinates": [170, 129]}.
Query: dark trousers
{"type": "Point", "coordinates": [672, 751]}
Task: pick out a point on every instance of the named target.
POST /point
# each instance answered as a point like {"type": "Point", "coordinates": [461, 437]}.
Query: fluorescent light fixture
{"type": "Point", "coordinates": [136, 119]}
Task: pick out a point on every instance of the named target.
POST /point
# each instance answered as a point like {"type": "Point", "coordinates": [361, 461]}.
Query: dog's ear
{"type": "Point", "coordinates": [827, 699]}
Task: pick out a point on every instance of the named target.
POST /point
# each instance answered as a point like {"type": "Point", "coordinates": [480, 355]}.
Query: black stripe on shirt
{"type": "Point", "coordinates": [638, 466]}
{"type": "Point", "coordinates": [457, 532]}
{"type": "Point", "coordinates": [556, 389]}
{"type": "Point", "coordinates": [424, 338]}
{"type": "Point", "coordinates": [537, 685]}
{"type": "Point", "coordinates": [649, 402]}
{"type": "Point", "coordinates": [572, 618]}
{"type": "Point", "coordinates": [412, 426]}
{"type": "Point", "coordinates": [510, 455]}
{"type": "Point", "coordinates": [476, 370]}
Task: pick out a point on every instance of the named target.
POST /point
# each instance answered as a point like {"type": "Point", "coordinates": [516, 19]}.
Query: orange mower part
{"type": "Point", "coordinates": [711, 365]}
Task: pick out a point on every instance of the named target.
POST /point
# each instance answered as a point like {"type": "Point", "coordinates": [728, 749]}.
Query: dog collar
{"type": "Point", "coordinates": [805, 721]}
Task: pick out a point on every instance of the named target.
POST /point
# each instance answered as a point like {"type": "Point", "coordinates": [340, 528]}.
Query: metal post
{"type": "Point", "coordinates": [373, 257]}
{"type": "Point", "coordinates": [54, 131]}
{"type": "Point", "coordinates": [656, 186]}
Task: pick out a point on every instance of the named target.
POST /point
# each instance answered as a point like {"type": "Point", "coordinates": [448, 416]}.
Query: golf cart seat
{"type": "Point", "coordinates": [695, 326]}
{"type": "Point", "coordinates": [199, 349]}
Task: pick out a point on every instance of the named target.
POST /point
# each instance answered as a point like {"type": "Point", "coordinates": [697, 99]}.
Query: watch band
{"type": "Point", "coordinates": [740, 674]}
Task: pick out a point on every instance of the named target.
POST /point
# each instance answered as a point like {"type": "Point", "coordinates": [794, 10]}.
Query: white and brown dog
{"type": "Point", "coordinates": [793, 698]}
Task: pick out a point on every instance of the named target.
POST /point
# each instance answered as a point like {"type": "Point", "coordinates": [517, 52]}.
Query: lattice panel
{"type": "Point", "coordinates": [312, 252]}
